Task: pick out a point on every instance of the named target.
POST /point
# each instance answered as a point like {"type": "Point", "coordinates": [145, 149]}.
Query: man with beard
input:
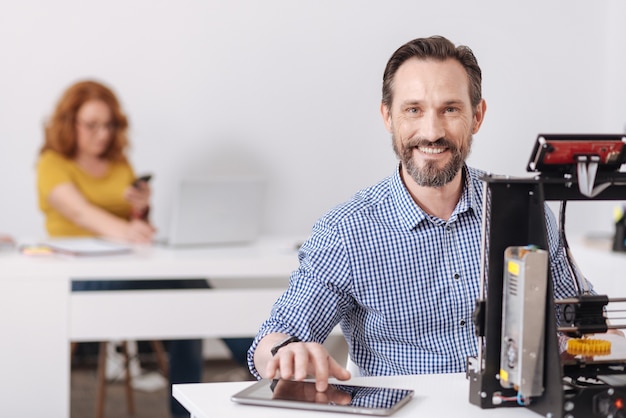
{"type": "Point", "coordinates": [398, 265]}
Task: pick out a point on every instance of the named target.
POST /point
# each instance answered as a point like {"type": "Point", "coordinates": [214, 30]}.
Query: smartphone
{"type": "Point", "coordinates": [146, 178]}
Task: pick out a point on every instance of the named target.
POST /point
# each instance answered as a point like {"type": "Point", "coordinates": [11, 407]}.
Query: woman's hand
{"type": "Point", "coordinates": [139, 232]}
{"type": "Point", "coordinates": [139, 198]}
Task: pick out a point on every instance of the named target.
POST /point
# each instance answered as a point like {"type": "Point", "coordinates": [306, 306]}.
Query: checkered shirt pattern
{"type": "Point", "coordinates": [402, 284]}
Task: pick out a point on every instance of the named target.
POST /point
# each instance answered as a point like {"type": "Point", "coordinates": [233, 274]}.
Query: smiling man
{"type": "Point", "coordinates": [432, 119]}
{"type": "Point", "coordinates": [398, 265]}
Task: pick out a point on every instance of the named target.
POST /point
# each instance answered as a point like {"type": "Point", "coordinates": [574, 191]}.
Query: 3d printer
{"type": "Point", "coordinates": [525, 357]}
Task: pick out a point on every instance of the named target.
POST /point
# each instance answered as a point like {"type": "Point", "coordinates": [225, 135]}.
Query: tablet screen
{"type": "Point", "coordinates": [338, 397]}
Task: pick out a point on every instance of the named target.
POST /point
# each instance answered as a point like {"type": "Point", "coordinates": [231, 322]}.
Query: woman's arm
{"type": "Point", "coordinates": [68, 200]}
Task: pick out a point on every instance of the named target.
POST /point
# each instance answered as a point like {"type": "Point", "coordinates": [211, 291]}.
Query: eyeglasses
{"type": "Point", "coordinates": [94, 127]}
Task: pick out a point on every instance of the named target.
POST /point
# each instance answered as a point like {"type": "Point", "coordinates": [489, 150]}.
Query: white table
{"type": "Point", "coordinates": [438, 395]}
{"type": "Point", "coordinates": [39, 315]}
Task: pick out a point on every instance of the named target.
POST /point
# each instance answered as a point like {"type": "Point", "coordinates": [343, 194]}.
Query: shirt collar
{"type": "Point", "coordinates": [412, 215]}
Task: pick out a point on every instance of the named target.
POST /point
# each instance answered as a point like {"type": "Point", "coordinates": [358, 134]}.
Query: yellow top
{"type": "Point", "coordinates": [106, 192]}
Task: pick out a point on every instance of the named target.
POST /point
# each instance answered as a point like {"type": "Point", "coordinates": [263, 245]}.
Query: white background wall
{"type": "Point", "coordinates": [289, 90]}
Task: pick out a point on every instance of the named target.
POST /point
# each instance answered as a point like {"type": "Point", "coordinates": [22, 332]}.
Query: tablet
{"type": "Point", "coordinates": [352, 399]}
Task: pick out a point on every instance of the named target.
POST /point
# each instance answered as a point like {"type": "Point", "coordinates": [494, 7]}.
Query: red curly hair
{"type": "Point", "coordinates": [60, 131]}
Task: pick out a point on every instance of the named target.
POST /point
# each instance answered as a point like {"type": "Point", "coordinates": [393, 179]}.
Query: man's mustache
{"type": "Point", "coordinates": [440, 143]}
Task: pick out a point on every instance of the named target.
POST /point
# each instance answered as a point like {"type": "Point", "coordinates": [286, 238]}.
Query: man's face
{"type": "Point", "coordinates": [432, 120]}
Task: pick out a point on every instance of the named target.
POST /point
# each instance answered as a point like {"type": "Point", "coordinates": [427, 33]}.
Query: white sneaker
{"type": "Point", "coordinates": [141, 380]}
{"type": "Point", "coordinates": [149, 382]}
{"type": "Point", "coordinates": [115, 365]}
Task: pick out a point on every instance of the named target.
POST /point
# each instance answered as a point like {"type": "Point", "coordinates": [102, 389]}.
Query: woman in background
{"type": "Point", "coordinates": [84, 178]}
{"type": "Point", "coordinates": [85, 187]}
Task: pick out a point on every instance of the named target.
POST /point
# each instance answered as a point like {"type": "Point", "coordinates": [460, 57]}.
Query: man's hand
{"type": "Point", "coordinates": [297, 361]}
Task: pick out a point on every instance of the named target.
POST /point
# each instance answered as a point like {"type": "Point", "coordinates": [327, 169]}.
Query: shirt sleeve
{"type": "Point", "coordinates": [52, 170]}
{"type": "Point", "coordinates": [318, 294]}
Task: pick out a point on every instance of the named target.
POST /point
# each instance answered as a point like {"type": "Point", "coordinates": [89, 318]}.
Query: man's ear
{"type": "Point", "coordinates": [386, 114]}
{"type": "Point", "coordinates": [479, 115]}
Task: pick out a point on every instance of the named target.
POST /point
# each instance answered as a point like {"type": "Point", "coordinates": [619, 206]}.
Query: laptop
{"type": "Point", "coordinates": [216, 211]}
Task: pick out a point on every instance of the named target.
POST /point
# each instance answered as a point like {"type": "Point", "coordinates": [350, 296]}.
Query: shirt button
{"type": "Point", "coordinates": [457, 276]}
{"type": "Point", "coordinates": [462, 322]}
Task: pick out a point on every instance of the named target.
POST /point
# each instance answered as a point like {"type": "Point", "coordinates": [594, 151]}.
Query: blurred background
{"type": "Point", "coordinates": [289, 91]}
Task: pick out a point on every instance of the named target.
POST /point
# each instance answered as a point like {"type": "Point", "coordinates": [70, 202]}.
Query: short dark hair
{"type": "Point", "coordinates": [437, 48]}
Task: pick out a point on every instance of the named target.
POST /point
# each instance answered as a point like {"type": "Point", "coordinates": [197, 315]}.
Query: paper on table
{"type": "Point", "coordinates": [86, 246]}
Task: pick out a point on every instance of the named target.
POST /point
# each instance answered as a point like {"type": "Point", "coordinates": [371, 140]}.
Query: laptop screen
{"type": "Point", "coordinates": [217, 210]}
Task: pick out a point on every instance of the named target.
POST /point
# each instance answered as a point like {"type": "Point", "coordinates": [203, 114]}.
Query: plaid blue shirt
{"type": "Point", "coordinates": [401, 283]}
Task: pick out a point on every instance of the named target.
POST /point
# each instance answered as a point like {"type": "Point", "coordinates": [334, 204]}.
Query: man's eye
{"type": "Point", "coordinates": [451, 109]}
{"type": "Point", "coordinates": [412, 110]}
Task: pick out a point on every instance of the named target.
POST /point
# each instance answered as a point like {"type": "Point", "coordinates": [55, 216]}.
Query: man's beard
{"type": "Point", "coordinates": [429, 175]}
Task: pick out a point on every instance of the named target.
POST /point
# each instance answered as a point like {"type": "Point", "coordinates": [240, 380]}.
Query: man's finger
{"type": "Point", "coordinates": [338, 371]}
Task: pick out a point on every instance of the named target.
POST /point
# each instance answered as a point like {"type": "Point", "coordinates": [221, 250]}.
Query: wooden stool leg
{"type": "Point", "coordinates": [128, 380]}
{"type": "Point", "coordinates": [161, 356]}
{"type": "Point", "coordinates": [101, 384]}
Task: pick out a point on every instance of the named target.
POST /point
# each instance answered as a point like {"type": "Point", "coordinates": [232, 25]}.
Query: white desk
{"type": "Point", "coordinates": [39, 315]}
{"type": "Point", "coordinates": [439, 395]}
{"type": "Point", "coordinates": [436, 395]}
